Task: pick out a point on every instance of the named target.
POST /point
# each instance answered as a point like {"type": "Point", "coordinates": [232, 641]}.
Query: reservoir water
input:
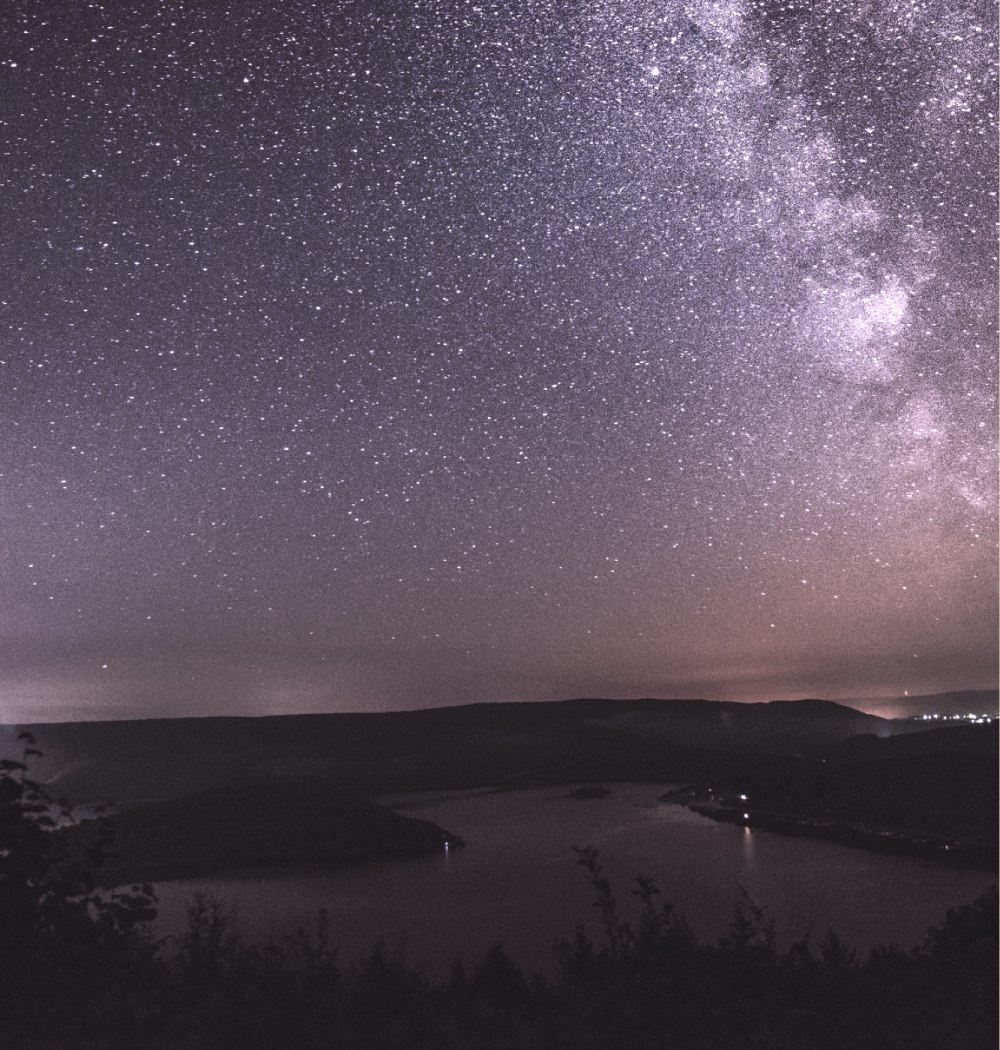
{"type": "Point", "coordinates": [517, 881]}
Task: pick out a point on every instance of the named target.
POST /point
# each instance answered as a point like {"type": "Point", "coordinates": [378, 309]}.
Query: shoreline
{"type": "Point", "coordinates": [962, 853]}
{"type": "Point", "coordinates": [950, 852]}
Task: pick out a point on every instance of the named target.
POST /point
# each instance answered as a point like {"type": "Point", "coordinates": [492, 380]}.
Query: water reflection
{"type": "Point", "coordinates": [748, 851]}
{"type": "Point", "coordinates": [516, 881]}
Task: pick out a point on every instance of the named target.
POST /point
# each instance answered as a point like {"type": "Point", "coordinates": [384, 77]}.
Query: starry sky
{"type": "Point", "coordinates": [361, 355]}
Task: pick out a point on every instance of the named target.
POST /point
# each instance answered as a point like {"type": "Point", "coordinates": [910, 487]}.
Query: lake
{"type": "Point", "coordinates": [517, 881]}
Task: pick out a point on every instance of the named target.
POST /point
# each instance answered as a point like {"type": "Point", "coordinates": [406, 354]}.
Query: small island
{"type": "Point", "coordinates": [589, 791]}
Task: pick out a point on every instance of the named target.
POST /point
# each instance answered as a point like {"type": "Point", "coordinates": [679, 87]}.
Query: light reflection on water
{"type": "Point", "coordinates": [748, 850]}
{"type": "Point", "coordinates": [516, 882]}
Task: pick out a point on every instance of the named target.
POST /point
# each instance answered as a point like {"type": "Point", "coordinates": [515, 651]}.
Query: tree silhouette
{"type": "Point", "coordinates": [57, 926]}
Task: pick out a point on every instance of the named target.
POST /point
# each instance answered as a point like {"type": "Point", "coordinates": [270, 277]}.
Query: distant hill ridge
{"type": "Point", "coordinates": [148, 759]}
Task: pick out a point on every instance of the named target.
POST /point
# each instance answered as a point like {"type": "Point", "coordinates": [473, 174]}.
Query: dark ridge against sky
{"type": "Point", "coordinates": [363, 355]}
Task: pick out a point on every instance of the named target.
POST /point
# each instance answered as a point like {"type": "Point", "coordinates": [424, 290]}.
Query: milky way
{"type": "Point", "coordinates": [360, 355]}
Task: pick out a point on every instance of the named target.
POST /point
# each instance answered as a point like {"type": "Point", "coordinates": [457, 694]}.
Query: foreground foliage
{"type": "Point", "coordinates": [80, 969]}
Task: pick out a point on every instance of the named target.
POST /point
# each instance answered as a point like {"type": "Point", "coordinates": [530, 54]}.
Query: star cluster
{"type": "Point", "coordinates": [366, 354]}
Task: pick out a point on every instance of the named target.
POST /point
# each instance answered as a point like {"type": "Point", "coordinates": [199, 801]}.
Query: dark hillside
{"type": "Point", "coordinates": [944, 793]}
{"type": "Point", "coordinates": [956, 738]}
{"type": "Point", "coordinates": [260, 825]}
{"type": "Point", "coordinates": [443, 747]}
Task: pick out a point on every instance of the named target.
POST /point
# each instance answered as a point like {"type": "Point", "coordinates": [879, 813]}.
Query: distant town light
{"type": "Point", "coordinates": [743, 798]}
{"type": "Point", "coordinates": [975, 719]}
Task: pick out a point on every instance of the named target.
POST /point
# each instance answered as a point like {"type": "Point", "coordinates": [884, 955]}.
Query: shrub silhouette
{"type": "Point", "coordinates": [56, 927]}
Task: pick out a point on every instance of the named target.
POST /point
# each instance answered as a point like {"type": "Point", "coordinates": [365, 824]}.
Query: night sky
{"type": "Point", "coordinates": [368, 355]}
